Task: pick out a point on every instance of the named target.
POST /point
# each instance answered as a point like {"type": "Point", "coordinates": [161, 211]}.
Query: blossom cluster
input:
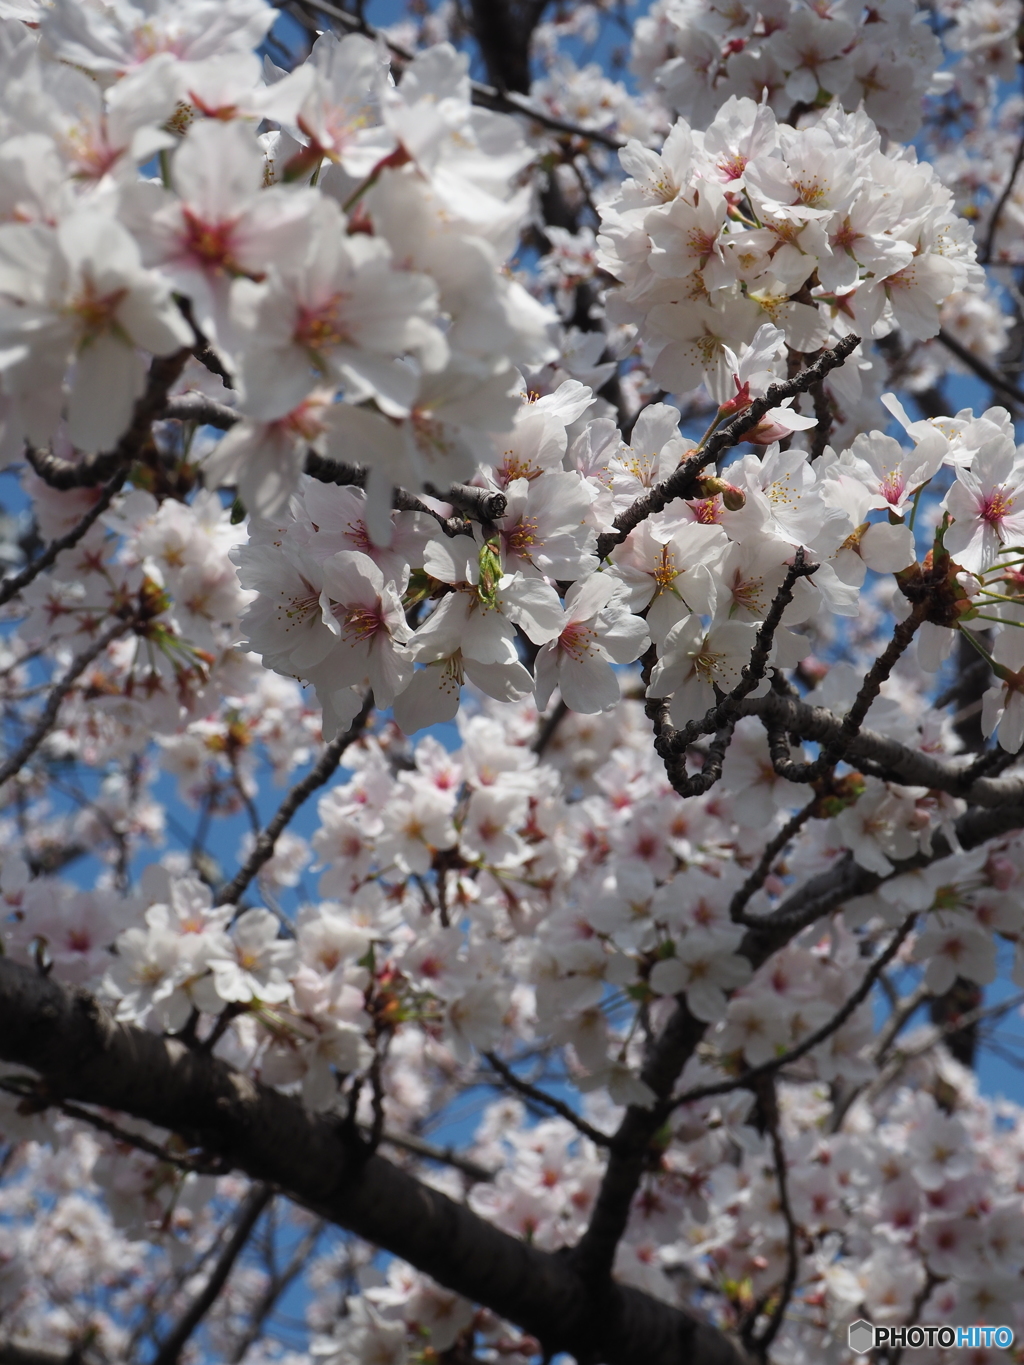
{"type": "Point", "coordinates": [355, 248]}
{"type": "Point", "coordinates": [513, 498]}
{"type": "Point", "coordinates": [817, 230]}
{"type": "Point", "coordinates": [884, 57]}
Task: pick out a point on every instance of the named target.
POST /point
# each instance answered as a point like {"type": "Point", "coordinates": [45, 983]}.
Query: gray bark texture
{"type": "Point", "coordinates": [84, 1054]}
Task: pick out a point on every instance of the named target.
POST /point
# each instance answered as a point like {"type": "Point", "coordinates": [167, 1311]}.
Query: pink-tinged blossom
{"type": "Point", "coordinates": [336, 310]}
{"type": "Point", "coordinates": [365, 616]}
{"type": "Point", "coordinates": [110, 41]}
{"type": "Point", "coordinates": [255, 962]}
{"type": "Point", "coordinates": [599, 630]}
{"type": "Point", "coordinates": [79, 296]}
{"type": "Point", "coordinates": [987, 506]}
{"type": "Point", "coordinates": [219, 223]}
{"type": "Point", "coordinates": [1003, 705]}
{"type": "Point", "coordinates": [695, 660]}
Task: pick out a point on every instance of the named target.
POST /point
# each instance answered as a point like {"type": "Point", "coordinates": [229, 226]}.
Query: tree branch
{"type": "Point", "coordinates": [991, 377]}
{"type": "Point", "coordinates": [985, 255]}
{"type": "Point", "coordinates": [670, 1051]}
{"type": "Point", "coordinates": [681, 483]}
{"type": "Point", "coordinates": [549, 1101]}
{"type": "Point", "coordinates": [76, 668]}
{"type": "Point", "coordinates": [487, 96]}
{"type": "Point", "coordinates": [85, 1054]}
{"type": "Point", "coordinates": [909, 766]}
{"type": "Point", "coordinates": [263, 848]}
{"type": "Point", "coordinates": [248, 1215]}
{"type": "Point", "coordinates": [90, 470]}
{"type": "Point", "coordinates": [10, 587]}
{"type": "Point", "coordinates": [770, 1107]}
{"type": "Point", "coordinates": [748, 1079]}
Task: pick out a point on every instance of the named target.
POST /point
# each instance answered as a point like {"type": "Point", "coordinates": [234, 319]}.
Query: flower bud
{"type": "Point", "coordinates": [733, 498]}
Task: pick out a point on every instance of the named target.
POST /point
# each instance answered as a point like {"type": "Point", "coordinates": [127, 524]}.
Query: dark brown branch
{"type": "Point", "coordinates": [549, 1101]}
{"type": "Point", "coordinates": [11, 1353]}
{"type": "Point", "coordinates": [991, 377]}
{"type": "Point", "coordinates": [548, 727]}
{"type": "Point", "coordinates": [909, 766]}
{"type": "Point", "coordinates": [772, 850]}
{"type": "Point", "coordinates": [91, 470]}
{"type": "Point", "coordinates": [444, 1156]}
{"type": "Point", "coordinates": [487, 96]}
{"type": "Point", "coordinates": [10, 587]}
{"type": "Point", "coordinates": [728, 709]}
{"type": "Point", "coordinates": [322, 770]}
{"type": "Point", "coordinates": [42, 728]}
{"type": "Point", "coordinates": [670, 1051]}
{"type": "Point", "coordinates": [85, 1054]}
{"type": "Point", "coordinates": [681, 483]}
{"type": "Point", "coordinates": [748, 1079]}
{"type": "Point", "coordinates": [482, 503]}
{"type": "Point", "coordinates": [278, 1284]}
{"type": "Point", "coordinates": [836, 748]}
{"type": "Point", "coordinates": [249, 1214]}
{"type": "Point", "coordinates": [770, 1108]}
{"type": "Point", "coordinates": [985, 255]}
{"type": "Point", "coordinates": [29, 1090]}
{"type": "Point", "coordinates": [206, 412]}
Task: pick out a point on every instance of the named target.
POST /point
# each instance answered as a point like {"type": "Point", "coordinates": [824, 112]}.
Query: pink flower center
{"type": "Point", "coordinates": [577, 639]}
{"type": "Point", "coordinates": [359, 623]}
{"type": "Point", "coordinates": [320, 329]}
{"type": "Point", "coordinates": [995, 507]}
{"type": "Point", "coordinates": [893, 486]}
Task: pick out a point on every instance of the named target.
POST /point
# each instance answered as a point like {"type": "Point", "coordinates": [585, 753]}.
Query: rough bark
{"type": "Point", "coordinates": [84, 1054]}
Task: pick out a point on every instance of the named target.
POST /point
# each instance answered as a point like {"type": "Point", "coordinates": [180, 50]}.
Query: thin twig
{"type": "Point", "coordinates": [770, 1109]}
{"type": "Point", "coordinates": [681, 483]}
{"type": "Point", "coordinates": [772, 850]}
{"type": "Point", "coordinates": [542, 1097]}
{"type": "Point", "coordinates": [279, 1282]}
{"type": "Point", "coordinates": [488, 96]}
{"type": "Point", "coordinates": [835, 749]}
{"type": "Point", "coordinates": [748, 1078]}
{"type": "Point", "coordinates": [248, 1215]}
{"type": "Point", "coordinates": [985, 255]}
{"type": "Point", "coordinates": [445, 1156]}
{"type": "Point", "coordinates": [991, 377]}
{"type": "Point", "coordinates": [34, 1092]}
{"type": "Point", "coordinates": [11, 586]}
{"type": "Point", "coordinates": [263, 848]}
{"type": "Point", "coordinates": [77, 667]}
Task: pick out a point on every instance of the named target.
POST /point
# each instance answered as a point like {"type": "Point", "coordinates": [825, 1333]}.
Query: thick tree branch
{"type": "Point", "coordinates": [909, 766]}
{"type": "Point", "coordinates": [84, 1054]}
